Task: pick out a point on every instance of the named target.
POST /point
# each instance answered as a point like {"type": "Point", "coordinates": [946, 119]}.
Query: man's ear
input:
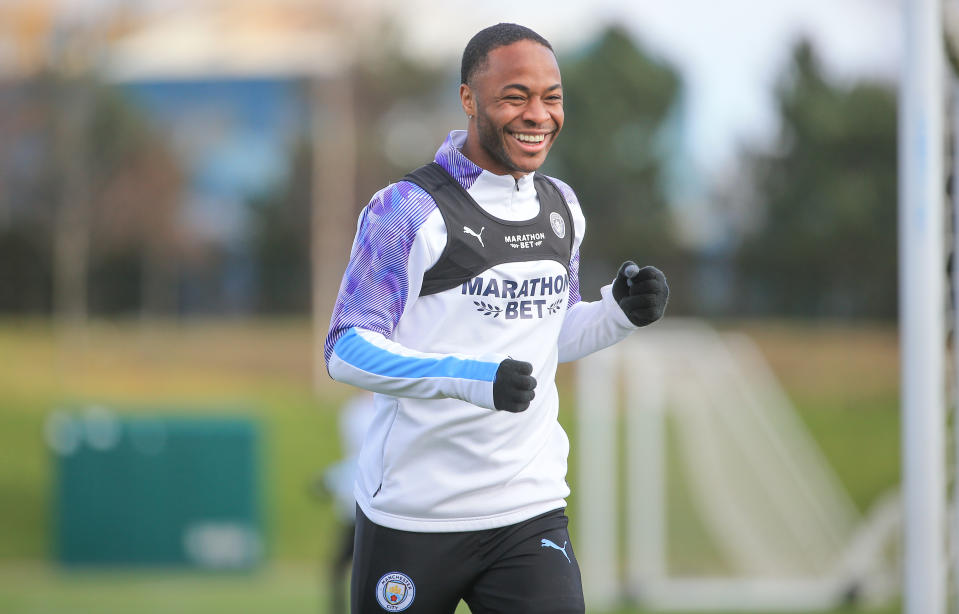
{"type": "Point", "coordinates": [467, 100]}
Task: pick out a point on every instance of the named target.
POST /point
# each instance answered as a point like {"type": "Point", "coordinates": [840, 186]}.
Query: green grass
{"type": "Point", "coordinates": [39, 589]}
{"type": "Point", "coordinates": [291, 589]}
{"type": "Point", "coordinates": [844, 380]}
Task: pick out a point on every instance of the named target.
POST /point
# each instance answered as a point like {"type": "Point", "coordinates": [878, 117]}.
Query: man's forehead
{"type": "Point", "coordinates": [521, 58]}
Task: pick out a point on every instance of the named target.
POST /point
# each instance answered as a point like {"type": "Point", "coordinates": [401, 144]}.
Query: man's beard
{"type": "Point", "coordinates": [489, 138]}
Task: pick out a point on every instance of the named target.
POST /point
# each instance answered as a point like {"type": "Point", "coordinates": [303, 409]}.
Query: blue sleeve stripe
{"type": "Point", "coordinates": [374, 289]}
{"type": "Point", "coordinates": [353, 349]}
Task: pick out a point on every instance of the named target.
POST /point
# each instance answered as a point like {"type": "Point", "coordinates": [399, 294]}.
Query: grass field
{"type": "Point", "coordinates": [843, 379]}
{"type": "Point", "coordinates": [33, 589]}
{"type": "Point", "coordinates": [291, 589]}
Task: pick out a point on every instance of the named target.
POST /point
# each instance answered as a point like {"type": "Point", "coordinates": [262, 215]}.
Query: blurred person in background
{"type": "Point", "coordinates": [337, 482]}
{"type": "Point", "coordinates": [460, 298]}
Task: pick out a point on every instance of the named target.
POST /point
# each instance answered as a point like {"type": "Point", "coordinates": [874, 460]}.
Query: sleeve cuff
{"type": "Point", "coordinates": [613, 310]}
{"type": "Point", "coordinates": [479, 392]}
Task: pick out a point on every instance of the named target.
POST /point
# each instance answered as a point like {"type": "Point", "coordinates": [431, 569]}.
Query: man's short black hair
{"type": "Point", "coordinates": [487, 39]}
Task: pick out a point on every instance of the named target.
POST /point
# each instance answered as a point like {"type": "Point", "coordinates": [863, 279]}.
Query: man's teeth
{"type": "Point", "coordinates": [530, 138]}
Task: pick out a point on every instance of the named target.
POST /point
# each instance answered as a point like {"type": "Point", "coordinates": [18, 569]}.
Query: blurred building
{"type": "Point", "coordinates": [232, 88]}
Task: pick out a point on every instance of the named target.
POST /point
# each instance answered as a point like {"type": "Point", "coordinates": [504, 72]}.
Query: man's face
{"type": "Point", "coordinates": [517, 103]}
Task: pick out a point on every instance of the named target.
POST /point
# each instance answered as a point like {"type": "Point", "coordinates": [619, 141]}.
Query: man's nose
{"type": "Point", "coordinates": [536, 111]}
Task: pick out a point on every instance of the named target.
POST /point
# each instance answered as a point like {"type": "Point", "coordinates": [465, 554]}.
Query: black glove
{"type": "Point", "coordinates": [513, 386]}
{"type": "Point", "coordinates": [641, 293]}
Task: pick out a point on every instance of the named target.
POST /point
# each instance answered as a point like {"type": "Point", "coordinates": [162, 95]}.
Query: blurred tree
{"type": "Point", "coordinates": [382, 81]}
{"type": "Point", "coordinates": [136, 233]}
{"type": "Point", "coordinates": [391, 91]}
{"type": "Point", "coordinates": [824, 238]}
{"type": "Point", "coordinates": [27, 191]}
{"type": "Point", "coordinates": [89, 213]}
{"type": "Point", "coordinates": [24, 270]}
{"type": "Point", "coordinates": [281, 240]}
{"type": "Point", "coordinates": [616, 101]}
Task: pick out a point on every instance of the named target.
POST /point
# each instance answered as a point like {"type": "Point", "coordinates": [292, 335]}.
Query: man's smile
{"type": "Point", "coordinates": [530, 141]}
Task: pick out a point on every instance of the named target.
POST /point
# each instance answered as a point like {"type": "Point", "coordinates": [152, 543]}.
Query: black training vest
{"type": "Point", "coordinates": [477, 241]}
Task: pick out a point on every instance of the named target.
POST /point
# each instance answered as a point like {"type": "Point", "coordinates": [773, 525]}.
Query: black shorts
{"type": "Point", "coordinates": [525, 568]}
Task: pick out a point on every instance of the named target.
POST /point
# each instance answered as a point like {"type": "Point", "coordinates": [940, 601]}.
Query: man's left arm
{"type": "Point", "coordinates": [635, 298]}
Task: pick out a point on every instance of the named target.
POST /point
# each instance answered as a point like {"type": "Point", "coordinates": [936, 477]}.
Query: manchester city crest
{"type": "Point", "coordinates": [395, 591]}
{"type": "Point", "coordinates": [558, 224]}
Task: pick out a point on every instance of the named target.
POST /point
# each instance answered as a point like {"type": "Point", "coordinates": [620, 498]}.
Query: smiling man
{"type": "Point", "coordinates": [514, 101]}
{"type": "Point", "coordinates": [460, 298]}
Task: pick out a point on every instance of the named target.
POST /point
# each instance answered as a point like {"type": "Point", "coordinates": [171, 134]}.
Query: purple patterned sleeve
{"type": "Point", "coordinates": [374, 289]}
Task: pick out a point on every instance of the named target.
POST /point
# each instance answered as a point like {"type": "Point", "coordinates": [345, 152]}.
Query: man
{"type": "Point", "coordinates": [461, 295]}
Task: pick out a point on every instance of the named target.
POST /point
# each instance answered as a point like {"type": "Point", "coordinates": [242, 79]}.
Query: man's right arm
{"type": "Point", "coordinates": [400, 236]}
{"type": "Point", "coordinates": [369, 360]}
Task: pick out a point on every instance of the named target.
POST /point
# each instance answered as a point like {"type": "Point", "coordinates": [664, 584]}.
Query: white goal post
{"type": "Point", "coordinates": [684, 400]}
{"type": "Point", "coordinates": [921, 304]}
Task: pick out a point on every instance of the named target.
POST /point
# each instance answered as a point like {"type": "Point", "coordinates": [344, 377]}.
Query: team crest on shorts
{"type": "Point", "coordinates": [395, 591]}
{"type": "Point", "coordinates": [558, 225]}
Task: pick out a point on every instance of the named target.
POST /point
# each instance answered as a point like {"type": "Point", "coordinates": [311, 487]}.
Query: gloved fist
{"type": "Point", "coordinates": [641, 293]}
{"type": "Point", "coordinates": [513, 386]}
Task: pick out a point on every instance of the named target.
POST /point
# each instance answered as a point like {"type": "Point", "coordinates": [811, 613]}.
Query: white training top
{"type": "Point", "coordinates": [438, 457]}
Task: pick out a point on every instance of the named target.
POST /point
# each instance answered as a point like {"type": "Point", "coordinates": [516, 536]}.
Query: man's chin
{"type": "Point", "coordinates": [529, 165]}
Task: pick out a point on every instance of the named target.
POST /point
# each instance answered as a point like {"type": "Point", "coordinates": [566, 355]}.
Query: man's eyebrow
{"type": "Point", "coordinates": [525, 89]}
